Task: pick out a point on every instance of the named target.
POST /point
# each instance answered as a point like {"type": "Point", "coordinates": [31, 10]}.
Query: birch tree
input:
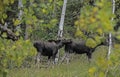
{"type": "Point", "coordinates": [20, 6]}
{"type": "Point", "coordinates": [110, 35]}
{"type": "Point", "coordinates": [60, 31]}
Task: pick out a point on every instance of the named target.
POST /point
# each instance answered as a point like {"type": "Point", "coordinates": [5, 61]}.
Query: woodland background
{"type": "Point", "coordinates": [24, 21]}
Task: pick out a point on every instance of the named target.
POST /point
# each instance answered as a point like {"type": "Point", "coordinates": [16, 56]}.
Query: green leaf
{"type": "Point", "coordinates": [2, 21]}
{"type": "Point", "coordinates": [6, 2]}
{"type": "Point", "coordinates": [24, 2]}
{"type": "Point", "coordinates": [17, 33]}
{"type": "Point", "coordinates": [101, 74]}
{"type": "Point", "coordinates": [90, 43]}
{"type": "Point", "coordinates": [11, 1]}
{"type": "Point", "coordinates": [118, 37]}
{"type": "Point", "coordinates": [53, 21]}
{"type": "Point", "coordinates": [41, 21]}
{"type": "Point", "coordinates": [4, 16]}
{"type": "Point", "coordinates": [34, 5]}
{"type": "Point", "coordinates": [28, 22]}
{"type": "Point", "coordinates": [44, 10]}
{"type": "Point", "coordinates": [16, 22]}
{"type": "Point", "coordinates": [50, 0]}
{"type": "Point", "coordinates": [4, 35]}
{"type": "Point", "coordinates": [25, 10]}
{"type": "Point", "coordinates": [60, 3]}
{"type": "Point", "coordinates": [31, 1]}
{"type": "Point", "coordinates": [43, 6]}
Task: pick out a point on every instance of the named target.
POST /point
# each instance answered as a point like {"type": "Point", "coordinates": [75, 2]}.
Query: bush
{"type": "Point", "coordinates": [14, 53]}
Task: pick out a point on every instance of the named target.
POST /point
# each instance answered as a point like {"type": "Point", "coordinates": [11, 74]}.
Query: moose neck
{"type": "Point", "coordinates": [59, 45]}
{"type": "Point", "coordinates": [97, 46]}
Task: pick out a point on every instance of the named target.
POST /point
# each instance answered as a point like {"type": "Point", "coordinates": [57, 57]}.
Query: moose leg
{"type": "Point", "coordinates": [48, 62]}
{"type": "Point", "coordinates": [89, 56]}
{"type": "Point", "coordinates": [68, 57]}
{"type": "Point", "coordinates": [56, 57]}
{"type": "Point", "coordinates": [53, 59]}
{"type": "Point", "coordinates": [38, 59]}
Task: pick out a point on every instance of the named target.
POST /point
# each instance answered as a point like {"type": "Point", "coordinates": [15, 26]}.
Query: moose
{"type": "Point", "coordinates": [79, 48]}
{"type": "Point", "coordinates": [48, 48]}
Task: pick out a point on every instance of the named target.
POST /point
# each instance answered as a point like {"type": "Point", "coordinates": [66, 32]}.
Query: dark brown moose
{"type": "Point", "coordinates": [79, 47]}
{"type": "Point", "coordinates": [48, 48]}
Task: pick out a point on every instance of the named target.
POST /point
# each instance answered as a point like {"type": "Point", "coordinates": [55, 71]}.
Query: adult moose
{"type": "Point", "coordinates": [48, 48]}
{"type": "Point", "coordinates": [79, 48]}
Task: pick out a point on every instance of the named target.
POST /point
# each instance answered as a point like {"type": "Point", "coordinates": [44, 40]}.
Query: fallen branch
{"type": "Point", "coordinates": [10, 35]}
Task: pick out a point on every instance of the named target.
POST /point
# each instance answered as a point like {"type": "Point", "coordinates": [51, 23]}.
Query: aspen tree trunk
{"type": "Point", "coordinates": [27, 27]}
{"type": "Point", "coordinates": [110, 39]}
{"type": "Point", "coordinates": [110, 45]}
{"type": "Point", "coordinates": [110, 35]}
{"type": "Point", "coordinates": [60, 31]}
{"type": "Point", "coordinates": [113, 8]}
{"type": "Point", "coordinates": [20, 5]}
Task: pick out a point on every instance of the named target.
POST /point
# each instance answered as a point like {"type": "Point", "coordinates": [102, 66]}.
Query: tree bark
{"type": "Point", "coordinates": [60, 31]}
{"type": "Point", "coordinates": [113, 8]}
{"type": "Point", "coordinates": [110, 45]}
{"type": "Point", "coordinates": [20, 5]}
{"type": "Point", "coordinates": [110, 34]}
{"type": "Point", "coordinates": [110, 39]}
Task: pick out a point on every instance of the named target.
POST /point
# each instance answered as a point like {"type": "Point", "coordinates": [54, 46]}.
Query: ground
{"type": "Point", "coordinates": [78, 67]}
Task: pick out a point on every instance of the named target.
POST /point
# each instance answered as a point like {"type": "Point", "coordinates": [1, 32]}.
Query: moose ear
{"type": "Point", "coordinates": [51, 40]}
{"type": "Point", "coordinates": [57, 41]}
{"type": "Point", "coordinates": [35, 44]}
{"type": "Point", "coordinates": [69, 40]}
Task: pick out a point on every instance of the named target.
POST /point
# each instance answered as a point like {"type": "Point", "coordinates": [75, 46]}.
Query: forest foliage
{"type": "Point", "coordinates": [40, 20]}
{"type": "Point", "coordinates": [97, 19]}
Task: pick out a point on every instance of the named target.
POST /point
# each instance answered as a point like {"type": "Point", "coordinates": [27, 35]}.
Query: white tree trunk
{"type": "Point", "coordinates": [110, 35]}
{"type": "Point", "coordinates": [110, 44]}
{"type": "Point", "coordinates": [60, 32]}
{"type": "Point", "coordinates": [113, 8]}
{"type": "Point", "coordinates": [110, 38]}
{"type": "Point", "coordinates": [20, 5]}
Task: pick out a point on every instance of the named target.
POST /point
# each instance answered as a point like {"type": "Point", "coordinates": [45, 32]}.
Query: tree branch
{"type": "Point", "coordinates": [10, 35]}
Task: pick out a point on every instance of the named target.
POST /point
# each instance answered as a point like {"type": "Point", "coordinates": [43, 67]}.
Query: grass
{"type": "Point", "coordinates": [78, 67]}
{"type": "Point", "coordinates": [74, 69]}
